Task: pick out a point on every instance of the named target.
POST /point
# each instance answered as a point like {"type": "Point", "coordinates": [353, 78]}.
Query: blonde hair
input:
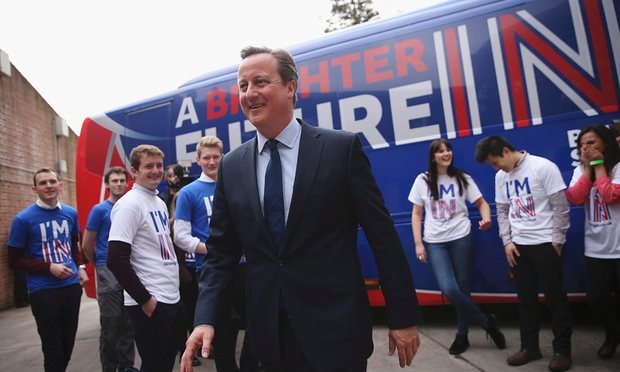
{"type": "Point", "coordinates": [209, 141]}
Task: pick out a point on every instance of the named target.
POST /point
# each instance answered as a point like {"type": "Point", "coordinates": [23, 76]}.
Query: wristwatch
{"type": "Point", "coordinates": [82, 266]}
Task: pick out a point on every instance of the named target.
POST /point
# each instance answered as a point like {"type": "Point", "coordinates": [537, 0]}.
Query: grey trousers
{"type": "Point", "coordinates": [116, 344]}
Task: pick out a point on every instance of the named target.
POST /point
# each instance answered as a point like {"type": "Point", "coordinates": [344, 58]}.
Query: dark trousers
{"type": "Point", "coordinates": [604, 279]}
{"type": "Point", "coordinates": [116, 346]}
{"type": "Point", "coordinates": [189, 294]}
{"type": "Point", "coordinates": [292, 357]}
{"type": "Point", "coordinates": [247, 361]}
{"type": "Point", "coordinates": [157, 337]}
{"type": "Point", "coordinates": [229, 321]}
{"type": "Point", "coordinates": [56, 313]}
{"type": "Point", "coordinates": [225, 341]}
{"type": "Point", "coordinates": [541, 265]}
{"type": "Point", "coordinates": [20, 289]}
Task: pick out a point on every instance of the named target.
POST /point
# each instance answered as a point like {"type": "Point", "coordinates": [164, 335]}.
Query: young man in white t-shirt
{"type": "Point", "coordinates": [532, 214]}
{"type": "Point", "coordinates": [142, 258]}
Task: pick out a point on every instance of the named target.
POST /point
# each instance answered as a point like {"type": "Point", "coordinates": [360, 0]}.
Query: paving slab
{"type": "Point", "coordinates": [20, 347]}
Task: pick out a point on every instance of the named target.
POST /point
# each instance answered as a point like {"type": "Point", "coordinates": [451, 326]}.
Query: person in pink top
{"type": "Point", "coordinates": [596, 185]}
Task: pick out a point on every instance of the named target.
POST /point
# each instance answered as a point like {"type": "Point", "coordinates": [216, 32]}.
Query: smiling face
{"type": "Point", "coordinates": [150, 172]}
{"type": "Point", "coordinates": [117, 184]}
{"type": "Point", "coordinates": [443, 158]}
{"type": "Point", "coordinates": [265, 99]}
{"type": "Point", "coordinates": [209, 160]}
{"type": "Point", "coordinates": [48, 187]}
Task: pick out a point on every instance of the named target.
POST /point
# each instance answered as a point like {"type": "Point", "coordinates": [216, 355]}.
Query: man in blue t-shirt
{"type": "Point", "coordinates": [43, 242]}
{"type": "Point", "coordinates": [116, 344]}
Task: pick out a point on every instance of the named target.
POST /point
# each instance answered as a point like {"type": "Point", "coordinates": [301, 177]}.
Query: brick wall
{"type": "Point", "coordinates": [28, 142]}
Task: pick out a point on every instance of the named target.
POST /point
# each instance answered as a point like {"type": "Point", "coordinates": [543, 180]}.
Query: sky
{"type": "Point", "coordinates": [87, 57]}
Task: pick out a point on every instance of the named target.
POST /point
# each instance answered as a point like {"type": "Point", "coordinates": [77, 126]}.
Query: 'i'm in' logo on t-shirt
{"type": "Point", "coordinates": [444, 208]}
{"type": "Point", "coordinates": [599, 214]}
{"type": "Point", "coordinates": [522, 202]}
{"type": "Point", "coordinates": [160, 223]}
{"type": "Point", "coordinates": [55, 241]}
{"type": "Point", "coordinates": [208, 200]}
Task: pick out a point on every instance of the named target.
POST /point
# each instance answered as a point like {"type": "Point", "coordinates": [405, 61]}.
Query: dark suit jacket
{"type": "Point", "coordinates": [317, 278]}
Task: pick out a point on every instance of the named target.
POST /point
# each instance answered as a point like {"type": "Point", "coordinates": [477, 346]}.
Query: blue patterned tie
{"type": "Point", "coordinates": [273, 201]}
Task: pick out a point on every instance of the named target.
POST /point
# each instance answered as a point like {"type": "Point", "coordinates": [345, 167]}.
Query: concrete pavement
{"type": "Point", "coordinates": [20, 347]}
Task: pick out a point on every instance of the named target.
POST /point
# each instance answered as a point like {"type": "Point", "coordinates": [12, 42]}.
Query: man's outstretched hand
{"type": "Point", "coordinates": [407, 342]}
{"type": "Point", "coordinates": [201, 337]}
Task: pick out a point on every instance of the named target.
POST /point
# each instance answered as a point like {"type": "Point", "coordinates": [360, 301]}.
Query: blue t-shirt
{"type": "Point", "coordinates": [194, 205]}
{"type": "Point", "coordinates": [99, 221]}
{"type": "Point", "coordinates": [46, 235]}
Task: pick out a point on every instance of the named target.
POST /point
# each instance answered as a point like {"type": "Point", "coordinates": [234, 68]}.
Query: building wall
{"type": "Point", "coordinates": [28, 141]}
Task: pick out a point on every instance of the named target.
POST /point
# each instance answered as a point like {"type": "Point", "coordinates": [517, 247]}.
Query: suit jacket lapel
{"type": "Point", "coordinates": [249, 180]}
{"type": "Point", "coordinates": [308, 160]}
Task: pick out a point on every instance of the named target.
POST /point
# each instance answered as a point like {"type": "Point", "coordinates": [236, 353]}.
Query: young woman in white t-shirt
{"type": "Point", "coordinates": [441, 194]}
{"type": "Point", "coordinates": [596, 185]}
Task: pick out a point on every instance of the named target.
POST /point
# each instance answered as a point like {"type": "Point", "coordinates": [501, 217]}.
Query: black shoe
{"type": "Point", "coordinates": [493, 330]}
{"type": "Point", "coordinates": [128, 369]}
{"type": "Point", "coordinates": [459, 345]}
{"type": "Point", "coordinates": [607, 350]}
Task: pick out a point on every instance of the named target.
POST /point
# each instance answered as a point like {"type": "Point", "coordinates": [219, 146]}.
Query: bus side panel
{"type": "Point", "coordinates": [534, 72]}
{"type": "Point", "coordinates": [91, 150]}
{"type": "Point", "coordinates": [548, 95]}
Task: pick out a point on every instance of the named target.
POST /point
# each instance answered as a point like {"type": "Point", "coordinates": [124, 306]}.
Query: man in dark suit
{"type": "Point", "coordinates": [307, 307]}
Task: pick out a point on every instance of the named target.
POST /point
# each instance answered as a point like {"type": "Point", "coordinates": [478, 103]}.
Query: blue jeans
{"type": "Point", "coordinates": [451, 262]}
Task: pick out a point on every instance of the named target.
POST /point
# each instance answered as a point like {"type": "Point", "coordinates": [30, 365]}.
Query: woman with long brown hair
{"type": "Point", "coordinates": [596, 185]}
{"type": "Point", "coordinates": [441, 194]}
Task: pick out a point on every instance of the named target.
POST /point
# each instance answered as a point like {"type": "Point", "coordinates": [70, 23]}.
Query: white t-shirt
{"type": "Point", "coordinates": [447, 218]}
{"type": "Point", "coordinates": [602, 222]}
{"type": "Point", "coordinates": [527, 189]}
{"type": "Point", "coordinates": [140, 218]}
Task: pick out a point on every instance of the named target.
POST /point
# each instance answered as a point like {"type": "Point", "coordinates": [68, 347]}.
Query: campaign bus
{"type": "Point", "coordinates": [535, 72]}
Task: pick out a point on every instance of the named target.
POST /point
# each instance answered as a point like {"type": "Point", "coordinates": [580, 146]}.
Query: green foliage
{"type": "Point", "coordinates": [346, 13]}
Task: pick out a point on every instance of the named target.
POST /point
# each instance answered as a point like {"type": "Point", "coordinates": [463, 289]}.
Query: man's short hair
{"type": "Point", "coordinates": [135, 157]}
{"type": "Point", "coordinates": [209, 141]}
{"type": "Point", "coordinates": [43, 170]}
{"type": "Point", "coordinates": [115, 170]}
{"type": "Point", "coordinates": [286, 63]}
{"type": "Point", "coordinates": [493, 145]}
